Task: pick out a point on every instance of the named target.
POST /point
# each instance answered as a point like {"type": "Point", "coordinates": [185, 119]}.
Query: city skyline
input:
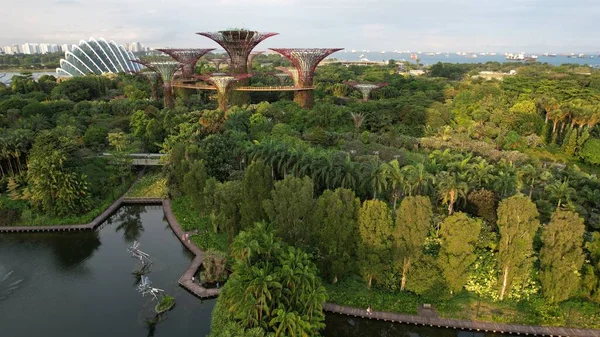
{"type": "Point", "coordinates": [427, 25]}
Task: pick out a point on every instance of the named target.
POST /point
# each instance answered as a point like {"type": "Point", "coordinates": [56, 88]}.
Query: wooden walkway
{"type": "Point", "coordinates": [82, 227]}
{"type": "Point", "coordinates": [186, 279]}
{"type": "Point", "coordinates": [439, 322]}
{"type": "Point", "coordinates": [196, 289]}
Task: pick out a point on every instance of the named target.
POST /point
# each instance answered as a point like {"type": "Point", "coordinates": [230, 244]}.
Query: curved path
{"type": "Point", "coordinates": [186, 282]}
{"type": "Point", "coordinates": [186, 279]}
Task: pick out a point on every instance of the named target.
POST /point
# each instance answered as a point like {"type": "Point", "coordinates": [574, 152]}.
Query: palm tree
{"type": "Point", "coordinates": [419, 179]}
{"type": "Point", "coordinates": [451, 188]}
{"type": "Point", "coordinates": [528, 175]}
{"type": "Point", "coordinates": [346, 173]}
{"type": "Point", "coordinates": [481, 173]}
{"type": "Point", "coordinates": [358, 119]}
{"type": "Point", "coordinates": [373, 174]}
{"type": "Point", "coordinates": [289, 324]}
{"type": "Point", "coordinates": [560, 191]}
{"type": "Point", "coordinates": [396, 179]}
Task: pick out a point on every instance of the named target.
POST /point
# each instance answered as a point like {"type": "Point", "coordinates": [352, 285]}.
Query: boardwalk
{"type": "Point", "coordinates": [89, 226]}
{"type": "Point", "coordinates": [463, 324]}
{"type": "Point", "coordinates": [196, 289]}
{"type": "Point", "coordinates": [186, 279]}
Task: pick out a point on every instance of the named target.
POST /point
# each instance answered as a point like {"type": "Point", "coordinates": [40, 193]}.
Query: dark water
{"type": "Point", "coordinates": [81, 284]}
{"type": "Point", "coordinates": [346, 326]}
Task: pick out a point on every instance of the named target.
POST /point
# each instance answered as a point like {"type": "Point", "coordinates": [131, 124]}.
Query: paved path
{"type": "Point", "coordinates": [186, 279]}
{"type": "Point", "coordinates": [463, 324]}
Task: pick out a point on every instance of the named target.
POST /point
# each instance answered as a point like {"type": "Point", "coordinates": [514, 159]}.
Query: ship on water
{"type": "Point", "coordinates": [521, 57]}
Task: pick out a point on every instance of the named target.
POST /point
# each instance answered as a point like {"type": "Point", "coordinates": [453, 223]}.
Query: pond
{"type": "Point", "coordinates": [82, 284]}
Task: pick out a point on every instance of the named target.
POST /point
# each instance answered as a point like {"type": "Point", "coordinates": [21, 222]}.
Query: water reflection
{"type": "Point", "coordinates": [9, 282]}
{"type": "Point", "coordinates": [130, 222]}
{"type": "Point", "coordinates": [73, 249]}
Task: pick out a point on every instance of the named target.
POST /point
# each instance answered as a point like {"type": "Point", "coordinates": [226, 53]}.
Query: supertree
{"type": "Point", "coordinates": [305, 61]}
{"type": "Point", "coordinates": [217, 62]}
{"type": "Point", "coordinates": [187, 57]}
{"type": "Point", "coordinates": [223, 83]}
{"type": "Point", "coordinates": [252, 56]}
{"type": "Point", "coordinates": [365, 88]}
{"type": "Point", "coordinates": [238, 43]}
{"type": "Point", "coordinates": [290, 72]}
{"type": "Point", "coordinates": [166, 71]}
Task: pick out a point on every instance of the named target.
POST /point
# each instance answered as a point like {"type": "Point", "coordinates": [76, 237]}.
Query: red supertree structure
{"type": "Point", "coordinates": [187, 57]}
{"type": "Point", "coordinates": [252, 56]}
{"type": "Point", "coordinates": [238, 44]}
{"type": "Point", "coordinates": [365, 88]}
{"type": "Point", "coordinates": [223, 83]}
{"type": "Point", "coordinates": [218, 61]}
{"type": "Point", "coordinates": [305, 60]}
{"type": "Point", "coordinates": [166, 71]}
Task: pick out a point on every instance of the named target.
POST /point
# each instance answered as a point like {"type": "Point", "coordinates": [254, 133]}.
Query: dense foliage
{"type": "Point", "coordinates": [444, 188]}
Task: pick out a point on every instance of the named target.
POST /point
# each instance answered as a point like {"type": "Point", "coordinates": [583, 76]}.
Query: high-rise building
{"type": "Point", "coordinates": [44, 48]}
{"type": "Point", "coordinates": [65, 48]}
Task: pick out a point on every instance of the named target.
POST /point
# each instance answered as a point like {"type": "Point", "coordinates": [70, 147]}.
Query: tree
{"type": "Point", "coordinates": [290, 209]}
{"type": "Point", "coordinates": [450, 188]}
{"type": "Point", "coordinates": [194, 181]}
{"type": "Point", "coordinates": [335, 222]}
{"type": "Point", "coordinates": [483, 203]}
{"type": "Point", "coordinates": [119, 158]}
{"type": "Point", "coordinates": [256, 188]}
{"type": "Point", "coordinates": [227, 197]}
{"type": "Point", "coordinates": [374, 247]}
{"type": "Point", "coordinates": [591, 151]}
{"type": "Point", "coordinates": [517, 223]}
{"type": "Point", "coordinates": [273, 287]}
{"type": "Point", "coordinates": [214, 266]}
{"type": "Point", "coordinates": [560, 191]}
{"type": "Point", "coordinates": [55, 185]}
{"type": "Point", "coordinates": [396, 179]}
{"type": "Point", "coordinates": [561, 256]}
{"type": "Point", "coordinates": [459, 235]}
{"type": "Point", "coordinates": [413, 222]}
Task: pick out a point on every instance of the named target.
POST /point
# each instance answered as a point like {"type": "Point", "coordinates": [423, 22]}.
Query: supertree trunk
{"type": "Point", "coordinates": [168, 96]}
{"type": "Point", "coordinates": [304, 98]}
{"type": "Point", "coordinates": [222, 100]}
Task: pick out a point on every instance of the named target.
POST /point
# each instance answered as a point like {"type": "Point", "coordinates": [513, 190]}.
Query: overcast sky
{"type": "Point", "coordinates": [425, 25]}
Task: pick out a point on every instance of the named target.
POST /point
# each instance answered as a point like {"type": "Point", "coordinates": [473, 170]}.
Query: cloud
{"type": "Point", "coordinates": [436, 25]}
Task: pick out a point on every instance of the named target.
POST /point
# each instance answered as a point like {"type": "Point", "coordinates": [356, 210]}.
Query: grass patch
{"type": "Point", "coordinates": [151, 185]}
{"type": "Point", "coordinates": [191, 221]}
{"type": "Point", "coordinates": [354, 292]}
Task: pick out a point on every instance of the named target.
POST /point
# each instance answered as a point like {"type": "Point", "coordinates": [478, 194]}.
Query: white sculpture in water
{"type": "Point", "coordinates": [138, 254]}
{"type": "Point", "coordinates": [145, 287]}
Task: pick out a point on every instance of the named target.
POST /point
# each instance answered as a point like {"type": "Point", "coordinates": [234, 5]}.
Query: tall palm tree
{"type": "Point", "coordinates": [396, 179]}
{"type": "Point", "coordinates": [560, 191]}
{"type": "Point", "coordinates": [529, 175]}
{"type": "Point", "coordinates": [450, 189]}
{"type": "Point", "coordinates": [373, 175]}
{"type": "Point", "coordinates": [419, 179]}
{"type": "Point", "coordinates": [481, 173]}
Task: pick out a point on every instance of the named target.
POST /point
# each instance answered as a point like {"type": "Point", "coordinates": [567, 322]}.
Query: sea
{"type": "Point", "coordinates": [592, 59]}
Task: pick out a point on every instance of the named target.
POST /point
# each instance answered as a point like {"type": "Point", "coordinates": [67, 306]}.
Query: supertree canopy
{"type": "Point", "coordinates": [166, 71]}
{"type": "Point", "coordinates": [223, 83]}
{"type": "Point", "coordinates": [366, 88]}
{"type": "Point", "coordinates": [238, 43]}
{"type": "Point", "coordinates": [282, 77]}
{"type": "Point", "coordinates": [187, 57]}
{"type": "Point", "coordinates": [305, 60]}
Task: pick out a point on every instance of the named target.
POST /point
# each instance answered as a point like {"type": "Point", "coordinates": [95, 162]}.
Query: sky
{"type": "Point", "coordinates": [416, 25]}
